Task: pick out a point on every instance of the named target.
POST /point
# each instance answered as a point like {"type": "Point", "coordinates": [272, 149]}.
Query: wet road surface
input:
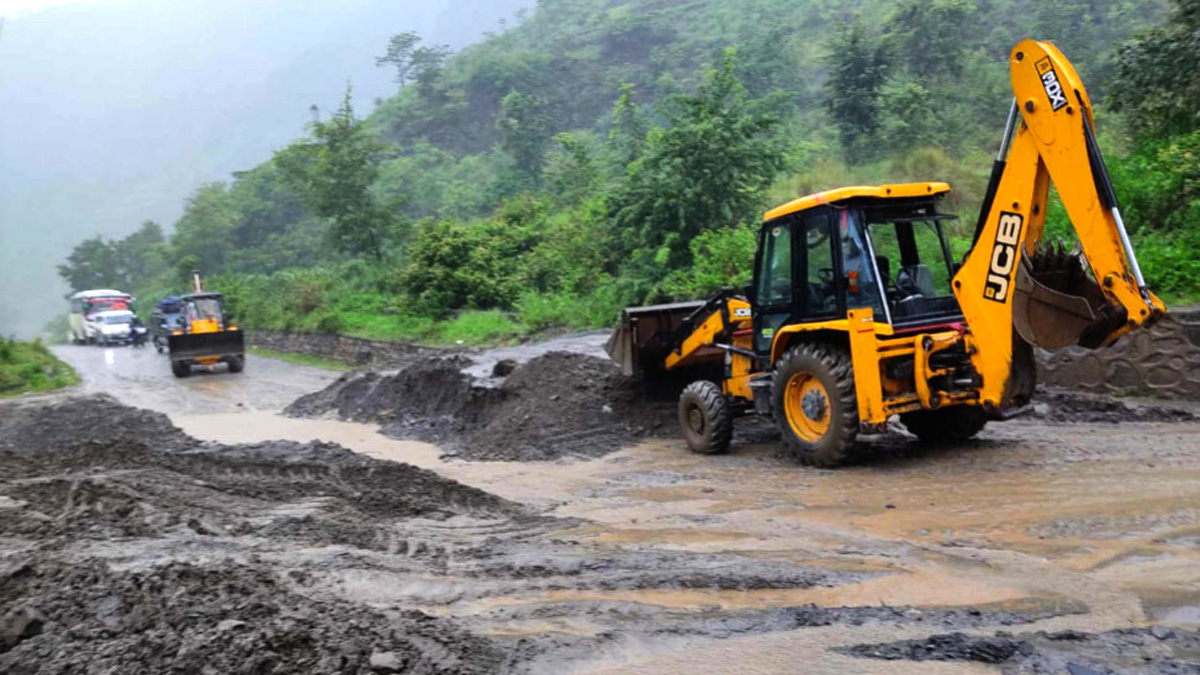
{"type": "Point", "coordinates": [1097, 525]}
{"type": "Point", "coordinates": [141, 377]}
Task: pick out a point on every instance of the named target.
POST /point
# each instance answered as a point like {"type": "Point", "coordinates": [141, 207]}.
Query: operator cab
{"type": "Point", "coordinates": [882, 248]}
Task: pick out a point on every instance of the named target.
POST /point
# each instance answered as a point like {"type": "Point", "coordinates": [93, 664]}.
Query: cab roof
{"type": "Point", "coordinates": [891, 191]}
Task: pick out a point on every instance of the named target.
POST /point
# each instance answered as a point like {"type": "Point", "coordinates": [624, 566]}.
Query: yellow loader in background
{"type": "Point", "coordinates": [207, 335]}
{"type": "Point", "coordinates": [858, 311]}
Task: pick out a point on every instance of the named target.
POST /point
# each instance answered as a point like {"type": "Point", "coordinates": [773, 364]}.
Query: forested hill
{"type": "Point", "coordinates": [600, 153]}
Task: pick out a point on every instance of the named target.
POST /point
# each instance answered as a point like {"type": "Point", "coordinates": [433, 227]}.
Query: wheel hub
{"type": "Point", "coordinates": [814, 405]}
{"type": "Point", "coordinates": [696, 420]}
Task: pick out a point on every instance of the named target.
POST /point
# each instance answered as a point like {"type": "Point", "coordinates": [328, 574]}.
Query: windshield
{"type": "Point", "coordinates": [204, 308]}
{"type": "Point", "coordinates": [915, 266]}
{"type": "Point", "coordinates": [92, 305]}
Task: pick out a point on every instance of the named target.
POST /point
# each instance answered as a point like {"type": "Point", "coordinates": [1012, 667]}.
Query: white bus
{"type": "Point", "coordinates": [86, 307]}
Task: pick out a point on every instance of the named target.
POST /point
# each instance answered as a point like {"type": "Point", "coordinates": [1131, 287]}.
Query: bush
{"type": "Point", "coordinates": [563, 310]}
{"type": "Point", "coordinates": [478, 328]}
{"type": "Point", "coordinates": [27, 367]}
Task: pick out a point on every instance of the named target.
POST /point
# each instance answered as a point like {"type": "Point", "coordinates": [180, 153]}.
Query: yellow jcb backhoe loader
{"type": "Point", "coordinates": [207, 335]}
{"type": "Point", "coordinates": [858, 310]}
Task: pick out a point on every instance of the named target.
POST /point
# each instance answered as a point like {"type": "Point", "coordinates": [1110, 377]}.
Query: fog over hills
{"type": "Point", "coordinates": [113, 111]}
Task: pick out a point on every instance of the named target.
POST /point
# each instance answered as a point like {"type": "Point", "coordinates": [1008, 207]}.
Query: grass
{"type": "Point", "coordinates": [302, 359]}
{"type": "Point", "coordinates": [29, 367]}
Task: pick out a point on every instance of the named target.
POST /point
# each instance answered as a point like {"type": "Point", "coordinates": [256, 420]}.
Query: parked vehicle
{"type": "Point", "coordinates": [166, 319]}
{"type": "Point", "coordinates": [87, 305]}
{"type": "Point", "coordinates": [115, 327]}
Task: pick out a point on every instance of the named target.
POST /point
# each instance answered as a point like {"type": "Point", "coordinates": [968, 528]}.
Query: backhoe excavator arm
{"type": "Point", "coordinates": [1007, 281]}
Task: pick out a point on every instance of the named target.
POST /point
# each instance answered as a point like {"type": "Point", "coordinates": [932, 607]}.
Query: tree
{"type": "Point", "coordinates": [627, 135]}
{"type": "Point", "coordinates": [335, 170]}
{"type": "Point", "coordinates": [399, 55]}
{"type": "Point", "coordinates": [1156, 80]}
{"type": "Point", "coordinates": [930, 36]}
{"type": "Point", "coordinates": [425, 65]}
{"type": "Point", "coordinates": [412, 62]}
{"type": "Point", "coordinates": [89, 265]}
{"type": "Point", "coordinates": [524, 127]}
{"type": "Point", "coordinates": [708, 169]}
{"type": "Point", "coordinates": [141, 256]}
{"type": "Point", "coordinates": [857, 73]}
{"type": "Point", "coordinates": [205, 229]}
{"type": "Point", "coordinates": [123, 264]}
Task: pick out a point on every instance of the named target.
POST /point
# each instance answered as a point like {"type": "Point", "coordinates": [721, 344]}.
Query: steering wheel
{"type": "Point", "coordinates": [816, 236]}
{"type": "Point", "coordinates": [825, 274]}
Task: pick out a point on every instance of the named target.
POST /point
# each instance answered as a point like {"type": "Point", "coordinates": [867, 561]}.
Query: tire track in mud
{"type": "Point", "coordinates": [363, 536]}
{"type": "Point", "coordinates": [233, 555]}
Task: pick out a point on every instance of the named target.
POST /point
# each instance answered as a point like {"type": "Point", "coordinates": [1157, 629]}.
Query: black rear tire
{"type": "Point", "coordinates": [705, 417]}
{"type": "Point", "coordinates": [236, 364]}
{"type": "Point", "coordinates": [945, 425]}
{"type": "Point", "coordinates": [825, 438]}
{"type": "Point", "coordinates": [181, 368]}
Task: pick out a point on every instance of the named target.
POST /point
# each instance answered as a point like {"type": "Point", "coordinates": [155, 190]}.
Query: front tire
{"type": "Point", "coordinates": [181, 368]}
{"type": "Point", "coordinates": [815, 403]}
{"type": "Point", "coordinates": [705, 418]}
{"type": "Point", "coordinates": [945, 425]}
{"type": "Point", "coordinates": [236, 364]}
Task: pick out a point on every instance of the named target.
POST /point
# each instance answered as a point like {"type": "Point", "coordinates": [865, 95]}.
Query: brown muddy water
{"type": "Point", "coordinates": [653, 560]}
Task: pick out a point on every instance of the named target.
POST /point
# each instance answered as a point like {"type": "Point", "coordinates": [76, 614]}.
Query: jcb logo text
{"type": "Point", "coordinates": [1051, 84]}
{"type": "Point", "coordinates": [1004, 256]}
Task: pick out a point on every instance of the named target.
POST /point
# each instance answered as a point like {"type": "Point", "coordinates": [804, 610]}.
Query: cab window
{"type": "Point", "coordinates": [775, 271]}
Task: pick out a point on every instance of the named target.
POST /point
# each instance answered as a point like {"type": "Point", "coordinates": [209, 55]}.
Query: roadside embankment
{"type": "Point", "coordinates": [1163, 361]}
{"type": "Point", "coordinates": [29, 367]}
{"type": "Point", "coordinates": [342, 348]}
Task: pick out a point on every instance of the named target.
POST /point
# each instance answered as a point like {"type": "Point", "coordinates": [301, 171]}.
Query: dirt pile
{"type": "Point", "coordinates": [558, 404]}
{"type": "Point", "coordinates": [1065, 406]}
{"type": "Point", "coordinates": [226, 618]}
{"type": "Point", "coordinates": [1134, 651]}
{"type": "Point", "coordinates": [261, 522]}
{"type": "Point", "coordinates": [319, 493]}
{"type": "Point", "coordinates": [30, 426]}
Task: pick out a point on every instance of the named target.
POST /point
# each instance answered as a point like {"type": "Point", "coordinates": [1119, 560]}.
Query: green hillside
{"type": "Point", "coordinates": [601, 153]}
{"type": "Point", "coordinates": [29, 367]}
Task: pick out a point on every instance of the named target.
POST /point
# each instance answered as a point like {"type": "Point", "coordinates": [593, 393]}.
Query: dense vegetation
{"type": "Point", "coordinates": [27, 367]}
{"type": "Point", "coordinates": [609, 152]}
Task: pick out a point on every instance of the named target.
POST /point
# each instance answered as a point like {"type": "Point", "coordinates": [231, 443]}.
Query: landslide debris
{"type": "Point", "coordinates": [27, 427]}
{"type": "Point", "coordinates": [142, 477]}
{"type": "Point", "coordinates": [555, 405]}
{"type": "Point", "coordinates": [224, 618]}
{"type": "Point", "coordinates": [140, 549]}
{"type": "Point", "coordinates": [1135, 651]}
{"type": "Point", "coordinates": [1065, 406]}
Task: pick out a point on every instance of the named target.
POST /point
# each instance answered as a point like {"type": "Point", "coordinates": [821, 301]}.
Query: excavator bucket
{"type": "Point", "coordinates": [646, 335]}
{"type": "Point", "coordinates": [189, 346]}
{"type": "Point", "coordinates": [1056, 304]}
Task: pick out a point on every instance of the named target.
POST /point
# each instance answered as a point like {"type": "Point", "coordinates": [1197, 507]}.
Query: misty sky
{"type": "Point", "coordinates": [113, 111]}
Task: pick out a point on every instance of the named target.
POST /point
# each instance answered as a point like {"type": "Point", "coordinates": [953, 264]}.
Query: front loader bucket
{"type": "Point", "coordinates": [646, 335]}
{"type": "Point", "coordinates": [189, 346]}
{"type": "Point", "coordinates": [1056, 304]}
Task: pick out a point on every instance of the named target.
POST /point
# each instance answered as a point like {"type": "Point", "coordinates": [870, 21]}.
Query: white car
{"type": "Point", "coordinates": [112, 327]}
{"type": "Point", "coordinates": [85, 305]}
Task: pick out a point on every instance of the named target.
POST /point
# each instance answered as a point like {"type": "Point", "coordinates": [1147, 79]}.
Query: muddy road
{"type": "Point", "coordinates": [142, 378]}
{"type": "Point", "coordinates": [1042, 547]}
